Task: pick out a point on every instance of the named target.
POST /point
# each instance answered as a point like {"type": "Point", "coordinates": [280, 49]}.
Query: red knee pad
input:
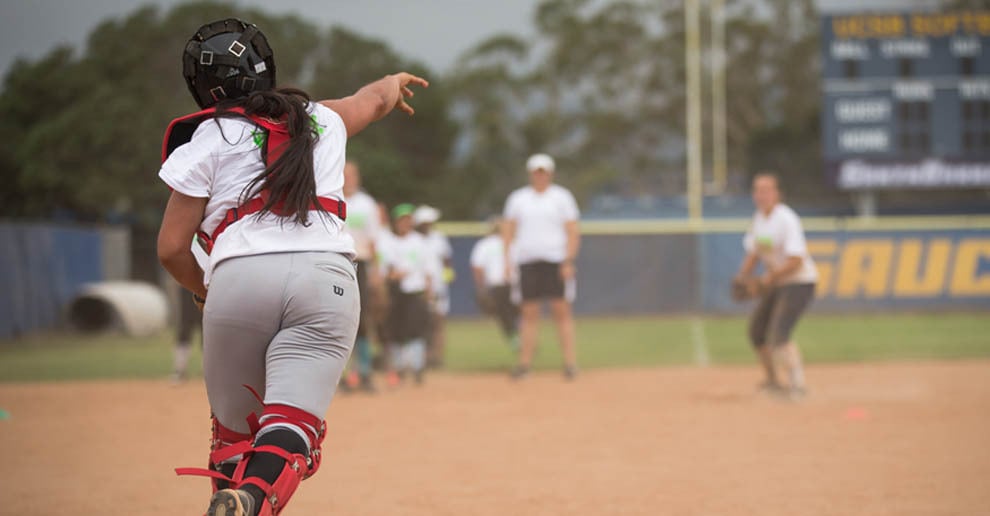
{"type": "Point", "coordinates": [314, 428]}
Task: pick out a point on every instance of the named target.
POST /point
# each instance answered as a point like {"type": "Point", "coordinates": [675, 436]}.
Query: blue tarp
{"type": "Point", "coordinates": [41, 268]}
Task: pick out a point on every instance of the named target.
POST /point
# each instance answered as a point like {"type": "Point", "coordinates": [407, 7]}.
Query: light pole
{"type": "Point", "coordinates": [692, 63]}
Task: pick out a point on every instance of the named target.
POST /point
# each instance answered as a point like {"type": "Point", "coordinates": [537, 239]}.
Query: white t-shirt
{"type": "Point", "coordinates": [776, 237]}
{"type": "Point", "coordinates": [439, 243]}
{"type": "Point", "coordinates": [489, 256]}
{"type": "Point", "coordinates": [541, 218]}
{"type": "Point", "coordinates": [220, 161]}
{"type": "Point", "coordinates": [363, 223]}
{"type": "Point", "coordinates": [410, 256]}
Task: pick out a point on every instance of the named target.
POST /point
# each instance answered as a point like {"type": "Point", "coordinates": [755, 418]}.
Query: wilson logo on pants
{"type": "Point", "coordinates": [338, 290]}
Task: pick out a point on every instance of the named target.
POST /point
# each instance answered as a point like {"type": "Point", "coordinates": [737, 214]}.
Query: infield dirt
{"type": "Point", "coordinates": [871, 439]}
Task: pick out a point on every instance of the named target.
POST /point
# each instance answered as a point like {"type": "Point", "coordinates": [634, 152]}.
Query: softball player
{"type": "Point", "coordinates": [411, 268]}
{"type": "Point", "coordinates": [492, 286]}
{"type": "Point", "coordinates": [363, 224]}
{"type": "Point", "coordinates": [258, 175]}
{"type": "Point", "coordinates": [776, 239]}
{"type": "Point", "coordinates": [424, 218]}
{"type": "Point", "coordinates": [541, 226]}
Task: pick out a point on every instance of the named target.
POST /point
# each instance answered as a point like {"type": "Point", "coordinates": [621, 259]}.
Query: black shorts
{"type": "Point", "coordinates": [408, 315]}
{"type": "Point", "coordinates": [778, 312]}
{"type": "Point", "coordinates": [542, 281]}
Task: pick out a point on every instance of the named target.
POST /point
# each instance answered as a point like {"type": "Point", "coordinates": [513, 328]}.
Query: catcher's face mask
{"type": "Point", "coordinates": [227, 59]}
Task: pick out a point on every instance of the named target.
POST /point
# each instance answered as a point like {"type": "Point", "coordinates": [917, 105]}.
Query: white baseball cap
{"type": "Point", "coordinates": [540, 162]}
{"type": "Point", "coordinates": [425, 215]}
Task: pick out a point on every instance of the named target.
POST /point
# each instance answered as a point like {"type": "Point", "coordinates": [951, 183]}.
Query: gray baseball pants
{"type": "Point", "coordinates": [282, 323]}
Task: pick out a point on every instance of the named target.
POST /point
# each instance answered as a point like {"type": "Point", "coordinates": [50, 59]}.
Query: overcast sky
{"type": "Point", "coordinates": [433, 31]}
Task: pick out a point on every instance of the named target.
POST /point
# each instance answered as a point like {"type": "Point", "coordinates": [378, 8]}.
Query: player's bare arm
{"type": "Point", "coordinates": [747, 266]}
{"type": "Point", "coordinates": [182, 218]}
{"type": "Point", "coordinates": [508, 235]}
{"type": "Point", "coordinates": [374, 101]}
{"type": "Point", "coordinates": [568, 269]}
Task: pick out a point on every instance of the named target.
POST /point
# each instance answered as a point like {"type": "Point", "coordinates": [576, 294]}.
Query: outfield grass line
{"type": "Point", "coordinates": [603, 343]}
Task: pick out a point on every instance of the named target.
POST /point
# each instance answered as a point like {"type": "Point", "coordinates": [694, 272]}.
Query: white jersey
{"type": "Point", "coordinates": [363, 223]}
{"type": "Point", "coordinates": [776, 237]}
{"type": "Point", "coordinates": [220, 160]}
{"type": "Point", "coordinates": [439, 243]}
{"type": "Point", "coordinates": [410, 256]}
{"type": "Point", "coordinates": [488, 255]}
{"type": "Point", "coordinates": [540, 219]}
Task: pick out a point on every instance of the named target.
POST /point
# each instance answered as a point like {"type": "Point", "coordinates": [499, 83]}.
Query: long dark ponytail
{"type": "Point", "coordinates": [290, 180]}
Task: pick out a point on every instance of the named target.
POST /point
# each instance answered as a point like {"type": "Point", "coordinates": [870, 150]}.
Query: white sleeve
{"type": "Point", "coordinates": [512, 207]}
{"type": "Point", "coordinates": [749, 240]}
{"type": "Point", "coordinates": [189, 169]}
{"type": "Point", "coordinates": [569, 206]}
{"type": "Point", "coordinates": [794, 242]}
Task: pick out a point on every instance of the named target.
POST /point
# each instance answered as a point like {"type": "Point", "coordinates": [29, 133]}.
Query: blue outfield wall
{"type": "Point", "coordinates": [41, 268]}
{"type": "Point", "coordinates": [688, 271]}
{"type": "Point", "coordinates": [908, 270]}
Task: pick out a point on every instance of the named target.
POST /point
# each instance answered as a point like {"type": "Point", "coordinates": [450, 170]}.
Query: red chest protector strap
{"type": "Point", "coordinates": [180, 131]}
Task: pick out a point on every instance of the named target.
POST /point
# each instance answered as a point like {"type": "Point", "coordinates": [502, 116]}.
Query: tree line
{"type": "Point", "coordinates": [600, 85]}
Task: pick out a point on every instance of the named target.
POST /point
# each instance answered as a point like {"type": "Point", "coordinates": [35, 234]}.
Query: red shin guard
{"type": "Point", "coordinates": [278, 493]}
{"type": "Point", "coordinates": [227, 445]}
{"type": "Point", "coordinates": [314, 428]}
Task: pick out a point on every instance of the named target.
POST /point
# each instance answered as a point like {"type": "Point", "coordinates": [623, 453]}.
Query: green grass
{"type": "Point", "coordinates": [475, 345]}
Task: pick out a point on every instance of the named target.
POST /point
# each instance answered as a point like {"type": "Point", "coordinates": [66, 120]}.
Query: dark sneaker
{"type": "Point", "coordinates": [231, 502]}
{"type": "Point", "coordinates": [519, 372]}
{"type": "Point", "coordinates": [570, 373]}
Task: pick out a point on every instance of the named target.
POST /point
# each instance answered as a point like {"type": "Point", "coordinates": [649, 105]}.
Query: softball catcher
{"type": "Point", "coordinates": [258, 176]}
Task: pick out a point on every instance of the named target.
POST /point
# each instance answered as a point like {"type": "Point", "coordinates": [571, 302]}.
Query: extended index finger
{"type": "Point", "coordinates": [410, 78]}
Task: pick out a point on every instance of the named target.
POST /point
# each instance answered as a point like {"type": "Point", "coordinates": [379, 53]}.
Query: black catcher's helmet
{"type": "Point", "coordinates": [227, 59]}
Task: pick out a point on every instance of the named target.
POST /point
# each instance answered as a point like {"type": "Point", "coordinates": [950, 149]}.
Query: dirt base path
{"type": "Point", "coordinates": [890, 439]}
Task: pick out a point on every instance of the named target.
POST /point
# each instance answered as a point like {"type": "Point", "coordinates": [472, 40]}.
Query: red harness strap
{"type": "Point", "coordinates": [181, 130]}
{"type": "Point", "coordinates": [327, 204]}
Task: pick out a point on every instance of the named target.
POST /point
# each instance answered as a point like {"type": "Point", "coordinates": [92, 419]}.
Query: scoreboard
{"type": "Point", "coordinates": [906, 100]}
